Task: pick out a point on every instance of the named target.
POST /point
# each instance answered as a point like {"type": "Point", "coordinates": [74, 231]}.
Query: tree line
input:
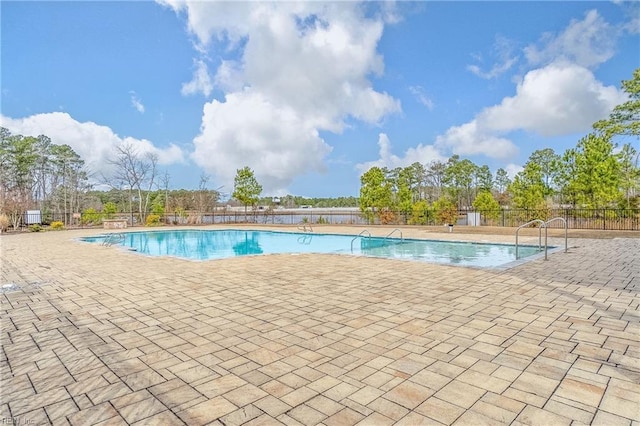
{"type": "Point", "coordinates": [36, 173]}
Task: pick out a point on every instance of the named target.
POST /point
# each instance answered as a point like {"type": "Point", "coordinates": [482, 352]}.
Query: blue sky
{"type": "Point", "coordinates": [311, 94]}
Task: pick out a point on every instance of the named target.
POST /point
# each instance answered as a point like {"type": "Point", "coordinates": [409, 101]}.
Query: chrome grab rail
{"type": "Point", "coordinates": [359, 236]}
{"type": "Point", "coordinates": [113, 238]}
{"type": "Point", "coordinates": [391, 233]}
{"type": "Point", "coordinates": [542, 225]}
{"type": "Point", "coordinates": [566, 246]}
{"type": "Point", "coordinates": [304, 226]}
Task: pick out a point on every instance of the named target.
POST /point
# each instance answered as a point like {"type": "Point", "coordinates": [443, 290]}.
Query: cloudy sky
{"type": "Point", "coordinates": [311, 94]}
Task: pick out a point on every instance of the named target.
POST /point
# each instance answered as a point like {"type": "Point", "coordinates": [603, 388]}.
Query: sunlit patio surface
{"type": "Point", "coordinates": [101, 335]}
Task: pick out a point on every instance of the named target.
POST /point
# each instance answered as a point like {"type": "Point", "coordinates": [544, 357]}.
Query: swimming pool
{"type": "Point", "coordinates": [220, 244]}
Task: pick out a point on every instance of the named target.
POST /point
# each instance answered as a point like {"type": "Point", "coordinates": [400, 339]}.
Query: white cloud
{"type": "Point", "coordinates": [317, 61]}
{"type": "Point", "coordinates": [92, 142]}
{"type": "Point", "coordinates": [513, 169]}
{"type": "Point", "coordinates": [231, 140]}
{"type": "Point", "coordinates": [503, 51]}
{"type": "Point", "coordinates": [632, 12]}
{"type": "Point", "coordinates": [136, 102]}
{"type": "Point", "coordinates": [222, 20]}
{"type": "Point", "coordinates": [201, 81]}
{"type": "Point", "coordinates": [633, 26]}
{"type": "Point", "coordinates": [495, 71]}
{"type": "Point", "coordinates": [390, 12]}
{"type": "Point", "coordinates": [422, 154]}
{"type": "Point", "coordinates": [421, 96]}
{"type": "Point", "coordinates": [294, 69]}
{"type": "Point", "coordinates": [473, 138]}
{"type": "Point", "coordinates": [230, 76]}
{"type": "Point", "coordinates": [559, 99]}
{"type": "Point", "coordinates": [589, 42]}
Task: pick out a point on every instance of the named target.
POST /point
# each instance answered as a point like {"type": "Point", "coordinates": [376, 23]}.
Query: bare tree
{"type": "Point", "coordinates": [42, 169]}
{"type": "Point", "coordinates": [69, 179]}
{"type": "Point", "coordinates": [434, 179]}
{"type": "Point", "coordinates": [204, 199]}
{"type": "Point", "coordinates": [18, 158]}
{"type": "Point", "coordinates": [164, 180]}
{"type": "Point", "coordinates": [137, 173]}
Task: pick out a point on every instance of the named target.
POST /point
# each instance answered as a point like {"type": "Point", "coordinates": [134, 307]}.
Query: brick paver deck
{"type": "Point", "coordinates": [98, 335]}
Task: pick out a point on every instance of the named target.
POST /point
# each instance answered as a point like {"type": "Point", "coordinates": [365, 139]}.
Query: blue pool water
{"type": "Point", "coordinates": [206, 244]}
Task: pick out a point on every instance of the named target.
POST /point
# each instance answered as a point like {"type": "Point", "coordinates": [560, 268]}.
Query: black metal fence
{"type": "Point", "coordinates": [605, 219]}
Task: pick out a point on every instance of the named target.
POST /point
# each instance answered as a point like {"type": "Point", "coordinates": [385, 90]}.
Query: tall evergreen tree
{"type": "Point", "coordinates": [629, 175]}
{"type": "Point", "coordinates": [502, 181]}
{"type": "Point", "coordinates": [625, 118]}
{"type": "Point", "coordinates": [527, 189]}
{"type": "Point", "coordinates": [483, 179]}
{"type": "Point", "coordinates": [375, 192]}
{"type": "Point", "coordinates": [459, 178]}
{"type": "Point", "coordinates": [246, 188]}
{"type": "Point", "coordinates": [549, 163]}
{"type": "Point", "coordinates": [597, 172]}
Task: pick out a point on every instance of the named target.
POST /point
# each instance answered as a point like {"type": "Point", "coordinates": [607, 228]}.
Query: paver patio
{"type": "Point", "coordinates": [99, 335]}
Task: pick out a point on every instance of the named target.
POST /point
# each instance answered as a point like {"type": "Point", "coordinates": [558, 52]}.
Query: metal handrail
{"type": "Point", "coordinates": [566, 246]}
{"type": "Point", "coordinates": [304, 228]}
{"type": "Point", "coordinates": [542, 225]}
{"type": "Point", "coordinates": [113, 238]}
{"type": "Point", "coordinates": [359, 236]}
{"type": "Point", "coordinates": [391, 233]}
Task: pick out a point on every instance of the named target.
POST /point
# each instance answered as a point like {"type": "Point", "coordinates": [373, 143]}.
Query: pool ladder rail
{"type": "Point", "coordinates": [544, 225]}
{"type": "Point", "coordinates": [114, 238]}
{"type": "Point", "coordinates": [305, 227]}
{"type": "Point", "coordinates": [395, 230]}
{"type": "Point", "coordinates": [360, 235]}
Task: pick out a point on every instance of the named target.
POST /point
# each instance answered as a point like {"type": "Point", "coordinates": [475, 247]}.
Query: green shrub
{"type": "Point", "coordinates": [57, 226]}
{"type": "Point", "coordinates": [35, 228]}
{"type": "Point", "coordinates": [153, 220]}
{"type": "Point", "coordinates": [445, 211]}
{"type": "Point", "coordinates": [91, 217]}
{"type": "Point", "coordinates": [157, 209]}
{"type": "Point", "coordinates": [45, 216]}
{"type": "Point", "coordinates": [420, 213]}
{"type": "Point", "coordinates": [110, 209]}
{"type": "Point", "coordinates": [487, 205]}
{"type": "Point", "coordinates": [321, 220]}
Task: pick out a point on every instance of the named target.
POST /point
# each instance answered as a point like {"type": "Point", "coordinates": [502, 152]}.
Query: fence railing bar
{"type": "Point", "coordinates": [603, 219]}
